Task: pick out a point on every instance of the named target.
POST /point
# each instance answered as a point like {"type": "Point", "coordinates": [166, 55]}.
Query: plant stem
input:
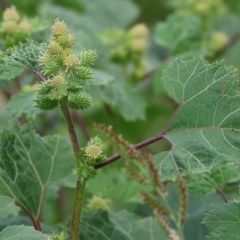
{"type": "Point", "coordinates": [138, 146]}
{"type": "Point", "coordinates": [222, 194]}
{"type": "Point", "coordinates": [80, 187]}
{"type": "Point", "coordinates": [70, 126]}
{"type": "Point", "coordinates": [77, 211]}
{"type": "Point", "coordinates": [81, 125]}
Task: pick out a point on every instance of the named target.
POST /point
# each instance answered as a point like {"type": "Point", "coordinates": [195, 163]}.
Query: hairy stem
{"type": "Point", "coordinates": [79, 192]}
{"type": "Point", "coordinates": [70, 126]}
{"type": "Point", "coordinates": [77, 211]}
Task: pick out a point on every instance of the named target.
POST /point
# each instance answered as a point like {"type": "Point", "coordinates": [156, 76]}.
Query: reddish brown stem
{"type": "Point", "coordinates": [138, 146]}
{"type": "Point", "coordinates": [222, 194]}
{"type": "Point", "coordinates": [35, 221]}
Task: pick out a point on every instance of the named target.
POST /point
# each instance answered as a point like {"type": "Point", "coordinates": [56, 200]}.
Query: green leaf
{"type": "Point", "coordinates": [157, 84]}
{"type": "Point", "coordinates": [22, 103]}
{"type": "Point", "coordinates": [179, 34]}
{"type": "Point", "coordinates": [106, 183]}
{"type": "Point", "coordinates": [97, 226]}
{"type": "Point", "coordinates": [204, 129]}
{"type": "Point", "coordinates": [18, 58]}
{"type": "Point", "coordinates": [208, 183]}
{"type": "Point", "coordinates": [29, 163]}
{"type": "Point", "coordinates": [7, 207]}
{"type": "Point", "coordinates": [127, 101]}
{"type": "Point", "coordinates": [100, 78]}
{"type": "Point", "coordinates": [21, 233]}
{"type": "Point", "coordinates": [223, 221]}
{"type": "Point", "coordinates": [134, 228]}
{"type": "Point", "coordinates": [102, 225]}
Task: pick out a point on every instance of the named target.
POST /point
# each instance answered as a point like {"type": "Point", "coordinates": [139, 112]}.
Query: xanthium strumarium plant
{"type": "Point", "coordinates": [202, 132]}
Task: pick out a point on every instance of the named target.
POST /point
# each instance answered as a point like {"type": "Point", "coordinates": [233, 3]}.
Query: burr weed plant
{"type": "Point", "coordinates": [202, 136]}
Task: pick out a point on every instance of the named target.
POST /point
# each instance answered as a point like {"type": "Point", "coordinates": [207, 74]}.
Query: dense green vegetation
{"type": "Point", "coordinates": [119, 120]}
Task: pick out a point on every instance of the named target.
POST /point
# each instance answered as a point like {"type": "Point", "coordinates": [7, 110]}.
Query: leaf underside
{"type": "Point", "coordinates": [204, 129]}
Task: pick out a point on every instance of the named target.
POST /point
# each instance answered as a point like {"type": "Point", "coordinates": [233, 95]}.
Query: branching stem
{"type": "Point", "coordinates": [138, 146]}
{"type": "Point", "coordinates": [79, 192]}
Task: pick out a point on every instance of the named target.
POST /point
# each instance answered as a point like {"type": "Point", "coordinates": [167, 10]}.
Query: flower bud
{"type": "Point", "coordinates": [54, 48]}
{"type": "Point", "coordinates": [139, 45]}
{"type": "Point", "coordinates": [139, 31]}
{"type": "Point", "coordinates": [25, 27]}
{"type": "Point", "coordinates": [71, 61]}
{"type": "Point", "coordinates": [96, 203]}
{"type": "Point", "coordinates": [58, 81]}
{"type": "Point", "coordinates": [66, 41]}
{"type": "Point", "coordinates": [10, 27]}
{"type": "Point", "coordinates": [93, 152]}
{"type": "Point", "coordinates": [11, 14]}
{"type": "Point", "coordinates": [59, 28]}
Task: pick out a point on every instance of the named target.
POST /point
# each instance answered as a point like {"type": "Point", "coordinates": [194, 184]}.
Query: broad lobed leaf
{"type": "Point", "coordinates": [21, 233]}
{"type": "Point", "coordinates": [104, 225]}
{"type": "Point", "coordinates": [22, 103]}
{"type": "Point", "coordinates": [7, 207]}
{"type": "Point", "coordinates": [28, 163]}
{"type": "Point", "coordinates": [208, 183]}
{"type": "Point", "coordinates": [204, 129]}
{"type": "Point", "coordinates": [18, 58]}
{"type": "Point", "coordinates": [223, 221]}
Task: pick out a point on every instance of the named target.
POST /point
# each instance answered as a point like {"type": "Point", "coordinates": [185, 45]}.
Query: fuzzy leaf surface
{"type": "Point", "coordinates": [179, 33]}
{"type": "Point", "coordinates": [204, 130]}
{"type": "Point", "coordinates": [21, 233]}
{"type": "Point", "coordinates": [8, 207]}
{"type": "Point", "coordinates": [208, 183]}
{"type": "Point", "coordinates": [16, 59]}
{"type": "Point", "coordinates": [103, 225]}
{"type": "Point", "coordinates": [223, 221]}
{"type": "Point", "coordinates": [22, 103]}
{"type": "Point", "coordinates": [29, 163]}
